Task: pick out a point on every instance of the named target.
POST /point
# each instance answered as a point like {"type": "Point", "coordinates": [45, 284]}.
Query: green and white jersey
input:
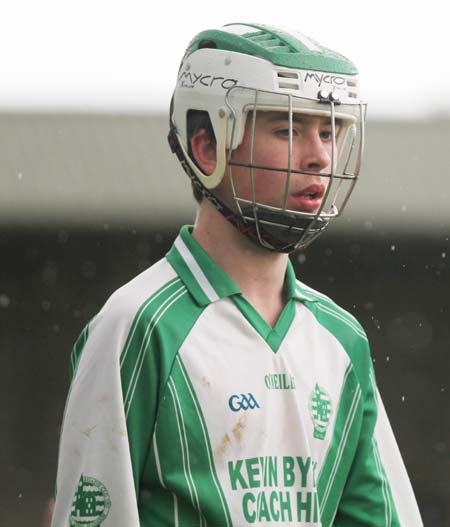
{"type": "Point", "coordinates": [187, 409]}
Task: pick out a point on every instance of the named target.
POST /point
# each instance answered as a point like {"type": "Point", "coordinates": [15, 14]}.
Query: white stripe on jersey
{"type": "Point", "coordinates": [340, 451]}
{"type": "Point", "coordinates": [338, 315]}
{"type": "Point", "coordinates": [195, 270]}
{"type": "Point", "coordinates": [384, 489]}
{"type": "Point", "coordinates": [142, 310]}
{"type": "Point", "coordinates": [147, 336]}
{"type": "Point", "coordinates": [401, 489]}
{"type": "Point", "coordinates": [185, 449]}
{"type": "Point", "coordinates": [205, 436]}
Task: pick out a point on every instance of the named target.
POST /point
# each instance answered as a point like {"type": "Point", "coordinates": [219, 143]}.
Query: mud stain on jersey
{"type": "Point", "coordinates": [205, 382]}
{"type": "Point", "coordinates": [223, 447]}
{"type": "Point", "coordinates": [88, 431]}
{"type": "Point", "coordinates": [239, 428]}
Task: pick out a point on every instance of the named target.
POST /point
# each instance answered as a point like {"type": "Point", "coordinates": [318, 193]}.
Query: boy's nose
{"type": "Point", "coordinates": [315, 155]}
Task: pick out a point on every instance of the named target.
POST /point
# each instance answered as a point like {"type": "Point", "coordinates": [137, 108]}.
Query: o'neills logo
{"type": "Point", "coordinates": [189, 79]}
{"type": "Point", "coordinates": [324, 78]}
{"type": "Point", "coordinates": [279, 381]}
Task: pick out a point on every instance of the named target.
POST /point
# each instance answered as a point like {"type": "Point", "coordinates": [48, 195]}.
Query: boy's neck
{"type": "Point", "coordinates": [258, 273]}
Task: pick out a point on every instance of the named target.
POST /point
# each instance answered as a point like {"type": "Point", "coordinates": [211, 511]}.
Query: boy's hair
{"type": "Point", "coordinates": [198, 120]}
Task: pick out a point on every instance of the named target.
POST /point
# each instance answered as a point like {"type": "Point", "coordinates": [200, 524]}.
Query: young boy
{"type": "Point", "coordinates": [214, 388]}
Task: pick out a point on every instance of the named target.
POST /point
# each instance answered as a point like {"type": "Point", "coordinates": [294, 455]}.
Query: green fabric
{"type": "Point", "coordinates": [351, 462]}
{"type": "Point", "coordinates": [273, 336]}
{"type": "Point", "coordinates": [367, 497]}
{"type": "Point", "coordinates": [222, 284]}
{"type": "Point", "coordinates": [146, 362]}
{"type": "Point", "coordinates": [278, 47]}
{"type": "Point", "coordinates": [192, 475]}
{"type": "Point", "coordinates": [77, 350]}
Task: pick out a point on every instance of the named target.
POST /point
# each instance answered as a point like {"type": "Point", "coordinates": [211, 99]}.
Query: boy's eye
{"type": "Point", "coordinates": [326, 135]}
{"type": "Point", "coordinates": [284, 132]}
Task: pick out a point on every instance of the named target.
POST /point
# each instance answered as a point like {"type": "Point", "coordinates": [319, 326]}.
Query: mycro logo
{"type": "Point", "coordinates": [242, 402]}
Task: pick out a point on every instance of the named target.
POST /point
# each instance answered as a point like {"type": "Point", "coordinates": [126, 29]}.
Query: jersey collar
{"type": "Point", "coordinates": [206, 280]}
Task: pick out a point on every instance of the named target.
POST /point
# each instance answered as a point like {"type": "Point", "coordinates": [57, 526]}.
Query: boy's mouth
{"type": "Point", "coordinates": [309, 199]}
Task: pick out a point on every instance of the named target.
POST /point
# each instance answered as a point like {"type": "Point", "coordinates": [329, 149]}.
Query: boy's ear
{"type": "Point", "coordinates": [204, 151]}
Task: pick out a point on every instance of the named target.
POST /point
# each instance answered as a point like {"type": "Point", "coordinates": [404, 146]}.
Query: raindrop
{"type": "Point", "coordinates": [301, 258]}
{"type": "Point", "coordinates": [328, 251]}
{"type": "Point", "coordinates": [387, 358]}
{"type": "Point", "coordinates": [392, 248]}
{"type": "Point", "coordinates": [4, 300]}
{"type": "Point", "coordinates": [440, 447]}
{"type": "Point", "coordinates": [403, 208]}
{"type": "Point", "coordinates": [444, 255]}
{"type": "Point", "coordinates": [19, 176]}
{"type": "Point", "coordinates": [20, 496]}
{"type": "Point", "coordinates": [403, 398]}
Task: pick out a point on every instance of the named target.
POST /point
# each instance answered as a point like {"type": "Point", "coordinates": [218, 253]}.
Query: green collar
{"type": "Point", "coordinates": [207, 281]}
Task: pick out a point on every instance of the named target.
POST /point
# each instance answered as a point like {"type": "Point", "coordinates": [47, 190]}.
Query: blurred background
{"type": "Point", "coordinates": [90, 195]}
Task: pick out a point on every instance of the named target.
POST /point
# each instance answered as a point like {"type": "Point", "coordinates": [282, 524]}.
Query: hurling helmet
{"type": "Point", "coordinates": [234, 73]}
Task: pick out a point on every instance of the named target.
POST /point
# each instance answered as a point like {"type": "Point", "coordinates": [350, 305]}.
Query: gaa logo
{"type": "Point", "coordinates": [242, 402]}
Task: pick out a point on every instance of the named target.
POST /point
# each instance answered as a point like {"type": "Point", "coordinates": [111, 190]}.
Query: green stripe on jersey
{"type": "Point", "coordinates": [183, 433]}
{"type": "Point", "coordinates": [146, 361]}
{"type": "Point", "coordinates": [339, 455]}
{"type": "Point", "coordinates": [347, 330]}
{"type": "Point", "coordinates": [77, 350]}
{"type": "Point", "coordinates": [176, 260]}
{"type": "Point", "coordinates": [273, 336]}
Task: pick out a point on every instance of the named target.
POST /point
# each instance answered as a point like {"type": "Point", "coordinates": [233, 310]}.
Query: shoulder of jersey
{"type": "Point", "coordinates": [326, 304]}
{"type": "Point", "coordinates": [157, 281]}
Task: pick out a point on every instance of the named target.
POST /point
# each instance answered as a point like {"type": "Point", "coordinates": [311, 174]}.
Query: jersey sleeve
{"type": "Point", "coordinates": [96, 478]}
{"type": "Point", "coordinates": [377, 491]}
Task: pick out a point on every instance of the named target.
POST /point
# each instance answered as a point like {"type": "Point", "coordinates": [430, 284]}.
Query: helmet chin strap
{"type": "Point", "coordinates": [268, 229]}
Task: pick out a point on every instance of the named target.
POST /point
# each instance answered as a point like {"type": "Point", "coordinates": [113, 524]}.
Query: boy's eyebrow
{"type": "Point", "coordinates": [298, 118]}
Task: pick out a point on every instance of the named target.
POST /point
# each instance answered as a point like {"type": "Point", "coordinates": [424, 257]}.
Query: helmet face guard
{"type": "Point", "coordinates": [278, 226]}
{"type": "Point", "coordinates": [237, 90]}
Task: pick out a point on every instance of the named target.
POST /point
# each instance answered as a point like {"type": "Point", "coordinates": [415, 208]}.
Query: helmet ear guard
{"type": "Point", "coordinates": [210, 181]}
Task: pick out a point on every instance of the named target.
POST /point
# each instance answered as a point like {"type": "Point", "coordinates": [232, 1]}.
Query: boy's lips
{"type": "Point", "coordinates": [309, 199]}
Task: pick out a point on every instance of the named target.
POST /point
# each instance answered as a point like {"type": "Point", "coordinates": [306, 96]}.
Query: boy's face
{"type": "Point", "coordinates": [311, 152]}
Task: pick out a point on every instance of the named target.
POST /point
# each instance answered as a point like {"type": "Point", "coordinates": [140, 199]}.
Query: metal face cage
{"type": "Point", "coordinates": [280, 224]}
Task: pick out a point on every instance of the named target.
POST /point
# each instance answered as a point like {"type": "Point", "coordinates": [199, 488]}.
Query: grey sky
{"type": "Point", "coordinates": [123, 55]}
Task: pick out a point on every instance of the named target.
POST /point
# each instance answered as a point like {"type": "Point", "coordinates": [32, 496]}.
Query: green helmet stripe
{"type": "Point", "coordinates": [277, 46]}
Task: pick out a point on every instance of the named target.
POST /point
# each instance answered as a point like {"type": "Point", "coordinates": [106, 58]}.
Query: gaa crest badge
{"type": "Point", "coordinates": [320, 410]}
{"type": "Point", "coordinates": [91, 503]}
